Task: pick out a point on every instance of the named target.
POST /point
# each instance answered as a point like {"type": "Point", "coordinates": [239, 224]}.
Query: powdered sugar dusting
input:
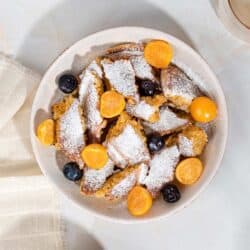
{"type": "Point", "coordinates": [122, 188]}
{"type": "Point", "coordinates": [142, 173]}
{"type": "Point", "coordinates": [162, 168]}
{"type": "Point", "coordinates": [126, 54]}
{"type": "Point", "coordinates": [168, 121]}
{"type": "Point", "coordinates": [95, 67]}
{"type": "Point", "coordinates": [176, 83]}
{"type": "Point", "coordinates": [94, 118]}
{"type": "Point", "coordinates": [141, 110]}
{"type": "Point", "coordinates": [142, 69]}
{"type": "Point", "coordinates": [87, 79]}
{"type": "Point", "coordinates": [121, 76]}
{"type": "Point", "coordinates": [116, 156]}
{"type": "Point", "coordinates": [72, 130]}
{"type": "Point", "coordinates": [89, 97]}
{"type": "Point", "coordinates": [185, 146]}
{"type": "Point", "coordinates": [197, 79]}
{"type": "Point", "coordinates": [130, 146]}
{"type": "Point", "coordinates": [94, 179]}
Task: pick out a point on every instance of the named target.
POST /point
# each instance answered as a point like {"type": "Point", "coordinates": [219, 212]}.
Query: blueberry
{"type": "Point", "coordinates": [155, 143]}
{"type": "Point", "coordinates": [67, 83]}
{"type": "Point", "coordinates": [72, 171]}
{"type": "Point", "coordinates": [170, 193]}
{"type": "Point", "coordinates": [147, 88]}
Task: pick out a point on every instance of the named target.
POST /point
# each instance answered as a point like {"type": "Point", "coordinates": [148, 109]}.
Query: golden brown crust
{"type": "Point", "coordinates": [157, 100]}
{"type": "Point", "coordinates": [171, 140]}
{"type": "Point", "coordinates": [179, 102]}
{"type": "Point", "coordinates": [59, 108]}
{"type": "Point", "coordinates": [125, 47]}
{"type": "Point", "coordinates": [197, 137]}
{"type": "Point", "coordinates": [105, 191]}
{"type": "Point", "coordinates": [121, 123]}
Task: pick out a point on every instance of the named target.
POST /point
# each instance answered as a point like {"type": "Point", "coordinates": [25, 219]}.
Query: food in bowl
{"type": "Point", "coordinates": [130, 126]}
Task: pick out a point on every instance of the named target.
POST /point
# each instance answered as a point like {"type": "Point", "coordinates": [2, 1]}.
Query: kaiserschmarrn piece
{"type": "Point", "coordinates": [169, 122]}
{"type": "Point", "coordinates": [179, 89]}
{"type": "Point", "coordinates": [70, 129]}
{"type": "Point", "coordinates": [126, 143]}
{"type": "Point", "coordinates": [161, 169]}
{"type": "Point", "coordinates": [95, 66]}
{"type": "Point", "coordinates": [94, 179]}
{"type": "Point", "coordinates": [124, 51]}
{"type": "Point", "coordinates": [121, 77]}
{"type": "Point", "coordinates": [119, 184]}
{"type": "Point", "coordinates": [191, 141]}
{"type": "Point", "coordinates": [134, 53]}
{"type": "Point", "coordinates": [90, 91]}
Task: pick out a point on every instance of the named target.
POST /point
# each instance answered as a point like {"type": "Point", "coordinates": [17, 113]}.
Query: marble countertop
{"type": "Point", "coordinates": [35, 32]}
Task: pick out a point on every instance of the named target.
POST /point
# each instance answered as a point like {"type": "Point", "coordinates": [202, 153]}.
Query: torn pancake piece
{"type": "Point", "coordinates": [126, 143]}
{"type": "Point", "coordinates": [94, 179]}
{"type": "Point", "coordinates": [161, 169]}
{"type": "Point", "coordinates": [90, 91]}
{"type": "Point", "coordinates": [70, 130]}
{"type": "Point", "coordinates": [179, 89]}
{"type": "Point", "coordinates": [169, 122]}
{"type": "Point", "coordinates": [121, 77]}
{"type": "Point", "coordinates": [192, 141]}
{"type": "Point", "coordinates": [119, 184]}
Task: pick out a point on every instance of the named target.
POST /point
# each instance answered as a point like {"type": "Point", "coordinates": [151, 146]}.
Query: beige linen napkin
{"type": "Point", "coordinates": [29, 211]}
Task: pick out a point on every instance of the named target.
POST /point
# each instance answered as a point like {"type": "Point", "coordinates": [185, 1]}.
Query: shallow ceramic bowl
{"type": "Point", "coordinates": [74, 59]}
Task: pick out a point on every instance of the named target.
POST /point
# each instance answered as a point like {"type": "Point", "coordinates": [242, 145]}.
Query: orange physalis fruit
{"type": "Point", "coordinates": [46, 132]}
{"type": "Point", "coordinates": [139, 201]}
{"type": "Point", "coordinates": [95, 156]}
{"type": "Point", "coordinates": [203, 109]}
{"type": "Point", "coordinates": [158, 53]}
{"type": "Point", "coordinates": [188, 171]}
{"type": "Point", "coordinates": [112, 104]}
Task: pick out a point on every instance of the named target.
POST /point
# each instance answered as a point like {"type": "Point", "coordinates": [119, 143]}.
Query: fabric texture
{"type": "Point", "coordinates": [29, 210]}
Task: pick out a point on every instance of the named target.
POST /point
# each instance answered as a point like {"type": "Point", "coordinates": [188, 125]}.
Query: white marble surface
{"type": "Point", "coordinates": [35, 32]}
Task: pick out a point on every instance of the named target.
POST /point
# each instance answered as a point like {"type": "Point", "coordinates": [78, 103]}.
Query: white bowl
{"type": "Point", "coordinates": [74, 59]}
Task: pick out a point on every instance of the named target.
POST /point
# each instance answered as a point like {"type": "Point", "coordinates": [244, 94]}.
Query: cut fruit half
{"type": "Point", "coordinates": [158, 53]}
{"type": "Point", "coordinates": [112, 104]}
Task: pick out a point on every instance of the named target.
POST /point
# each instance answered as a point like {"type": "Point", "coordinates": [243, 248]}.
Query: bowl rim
{"type": "Point", "coordinates": [203, 185]}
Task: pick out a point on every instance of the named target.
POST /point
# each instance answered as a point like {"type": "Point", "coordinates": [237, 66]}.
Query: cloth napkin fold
{"type": "Point", "coordinates": [29, 207]}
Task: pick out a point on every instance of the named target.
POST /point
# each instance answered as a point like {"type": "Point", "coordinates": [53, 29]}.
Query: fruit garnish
{"type": "Point", "coordinates": [170, 193]}
{"type": "Point", "coordinates": [95, 156]}
{"type": "Point", "coordinates": [189, 171]}
{"type": "Point", "coordinates": [46, 132]}
{"type": "Point", "coordinates": [139, 201]}
{"type": "Point", "coordinates": [147, 88]}
{"type": "Point", "coordinates": [158, 53]}
{"type": "Point", "coordinates": [72, 171]}
{"type": "Point", "coordinates": [155, 142]}
{"type": "Point", "coordinates": [112, 104]}
{"type": "Point", "coordinates": [203, 109]}
{"type": "Point", "coordinates": [67, 83]}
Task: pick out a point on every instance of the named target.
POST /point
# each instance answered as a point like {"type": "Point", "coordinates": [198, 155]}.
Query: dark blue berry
{"type": "Point", "coordinates": [155, 143]}
{"type": "Point", "coordinates": [67, 83]}
{"type": "Point", "coordinates": [147, 88]}
{"type": "Point", "coordinates": [170, 193]}
{"type": "Point", "coordinates": [72, 171]}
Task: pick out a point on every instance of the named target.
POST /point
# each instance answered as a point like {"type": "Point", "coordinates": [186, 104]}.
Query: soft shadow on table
{"type": "Point", "coordinates": [79, 238]}
{"type": "Point", "coordinates": [70, 21]}
{"type": "Point", "coordinates": [75, 237]}
{"type": "Point", "coordinates": [214, 4]}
